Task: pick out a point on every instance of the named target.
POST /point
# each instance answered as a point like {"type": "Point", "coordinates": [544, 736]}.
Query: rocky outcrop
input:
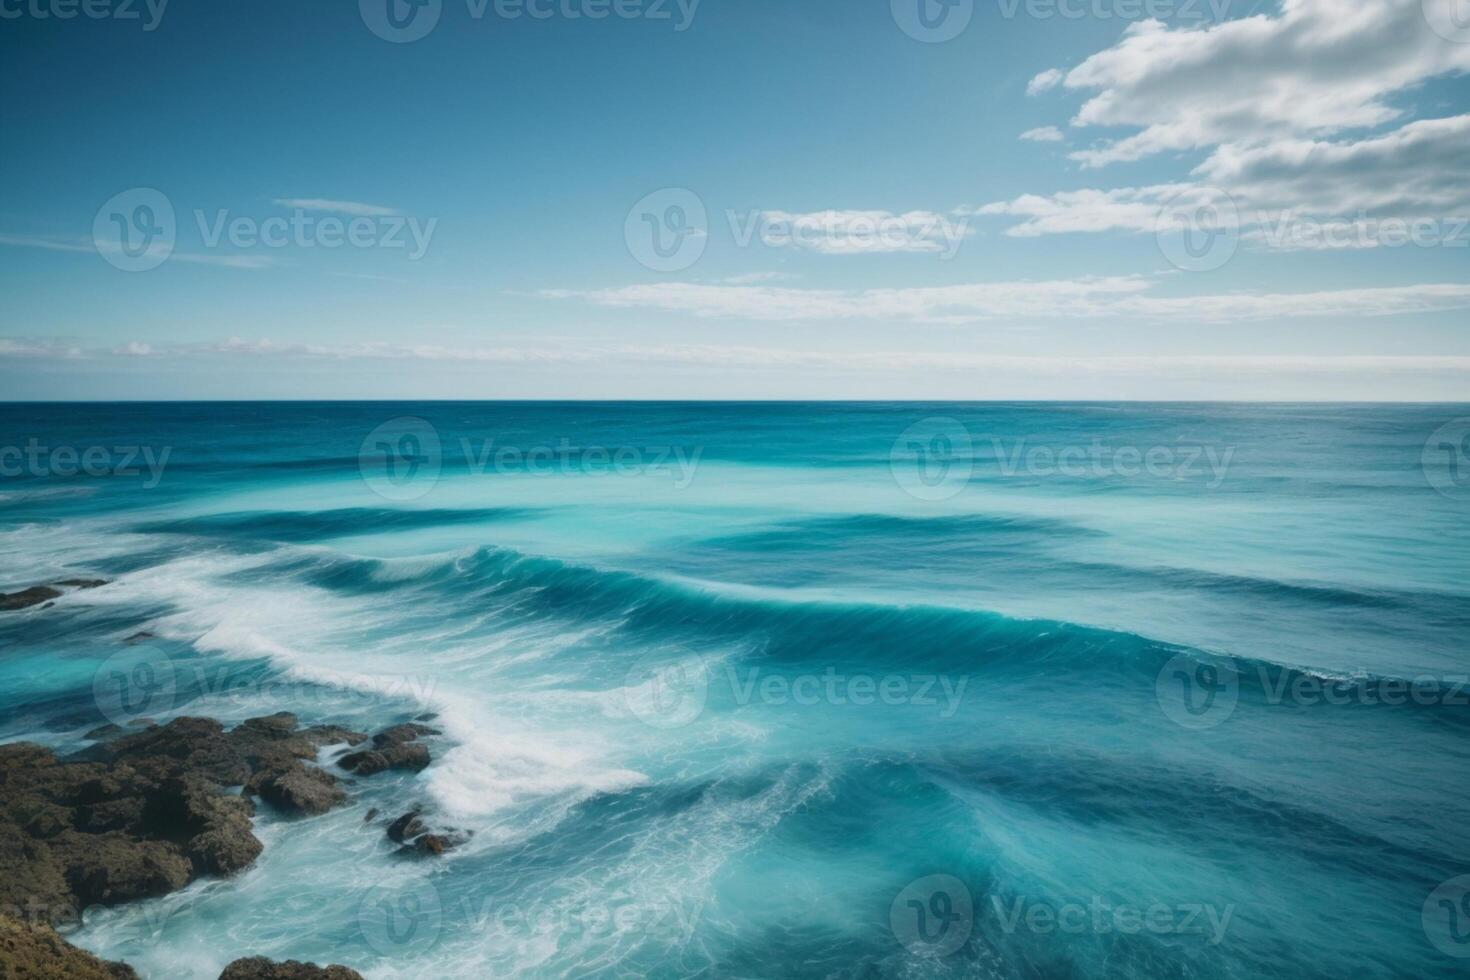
{"type": "Point", "coordinates": [397, 747]}
{"type": "Point", "coordinates": [143, 813]}
{"type": "Point", "coordinates": [33, 951]}
{"type": "Point", "coordinates": [417, 838]}
{"type": "Point", "coordinates": [38, 594]}
{"type": "Point", "coordinates": [260, 968]}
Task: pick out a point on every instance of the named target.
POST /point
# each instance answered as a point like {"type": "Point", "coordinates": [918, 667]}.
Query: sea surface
{"type": "Point", "coordinates": [786, 690]}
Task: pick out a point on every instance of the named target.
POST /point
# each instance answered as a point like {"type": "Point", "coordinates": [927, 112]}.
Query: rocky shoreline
{"type": "Point", "coordinates": [144, 811]}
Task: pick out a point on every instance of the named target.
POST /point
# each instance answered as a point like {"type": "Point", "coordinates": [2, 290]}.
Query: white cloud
{"type": "Point", "coordinates": [1317, 68]}
{"type": "Point", "coordinates": [1124, 296]}
{"type": "Point", "coordinates": [341, 207]}
{"type": "Point", "coordinates": [1044, 81]}
{"type": "Point", "coordinates": [1296, 193]}
{"type": "Point", "coordinates": [1043, 134]}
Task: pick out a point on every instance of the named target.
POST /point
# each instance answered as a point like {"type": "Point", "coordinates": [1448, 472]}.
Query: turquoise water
{"type": "Point", "coordinates": [858, 690]}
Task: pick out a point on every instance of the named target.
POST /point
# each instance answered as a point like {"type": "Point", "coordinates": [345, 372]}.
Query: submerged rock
{"type": "Point", "coordinates": [260, 968]}
{"type": "Point", "coordinates": [38, 594]}
{"type": "Point", "coordinates": [24, 599]}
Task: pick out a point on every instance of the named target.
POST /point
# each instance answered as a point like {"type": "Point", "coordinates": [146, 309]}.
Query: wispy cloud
{"type": "Point", "coordinates": [751, 357]}
{"type": "Point", "coordinates": [83, 245]}
{"type": "Point", "coordinates": [1115, 296]}
{"type": "Point", "coordinates": [1043, 134]}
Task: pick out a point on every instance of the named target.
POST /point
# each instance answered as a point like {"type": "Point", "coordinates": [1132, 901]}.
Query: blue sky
{"type": "Point", "coordinates": [875, 225]}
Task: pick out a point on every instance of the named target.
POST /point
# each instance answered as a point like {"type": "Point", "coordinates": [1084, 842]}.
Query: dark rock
{"type": "Point", "coordinates": [403, 755]}
{"type": "Point", "coordinates": [33, 951]}
{"type": "Point", "coordinates": [260, 968]}
{"type": "Point", "coordinates": [139, 637]}
{"type": "Point", "coordinates": [145, 812]}
{"type": "Point", "coordinates": [83, 583]}
{"type": "Point", "coordinates": [300, 789]}
{"type": "Point", "coordinates": [27, 597]}
{"type": "Point", "coordinates": [368, 817]}
{"type": "Point", "coordinates": [280, 724]}
{"type": "Point", "coordinates": [426, 716]}
{"type": "Point", "coordinates": [406, 827]}
{"type": "Point", "coordinates": [433, 845]}
{"type": "Point", "coordinates": [398, 734]}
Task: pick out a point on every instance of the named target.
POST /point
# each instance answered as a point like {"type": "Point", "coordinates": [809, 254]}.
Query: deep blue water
{"type": "Point", "coordinates": [779, 690]}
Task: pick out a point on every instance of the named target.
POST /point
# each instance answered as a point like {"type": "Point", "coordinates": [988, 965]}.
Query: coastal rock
{"type": "Point", "coordinates": [260, 968]}
{"type": "Point", "coordinates": [403, 755]}
{"type": "Point", "coordinates": [396, 747]}
{"type": "Point", "coordinates": [299, 789]}
{"type": "Point", "coordinates": [417, 839]}
{"type": "Point", "coordinates": [406, 827]}
{"type": "Point", "coordinates": [146, 812]}
{"type": "Point", "coordinates": [38, 594]}
{"type": "Point", "coordinates": [398, 734]}
{"type": "Point", "coordinates": [83, 583]}
{"type": "Point", "coordinates": [34, 951]}
{"type": "Point", "coordinates": [24, 599]}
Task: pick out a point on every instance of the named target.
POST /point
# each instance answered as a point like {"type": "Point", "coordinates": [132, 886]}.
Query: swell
{"type": "Point", "coordinates": [788, 631]}
{"type": "Point", "coordinates": [325, 524]}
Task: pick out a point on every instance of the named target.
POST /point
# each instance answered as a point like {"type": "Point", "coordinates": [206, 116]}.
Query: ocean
{"type": "Point", "coordinates": [774, 690]}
